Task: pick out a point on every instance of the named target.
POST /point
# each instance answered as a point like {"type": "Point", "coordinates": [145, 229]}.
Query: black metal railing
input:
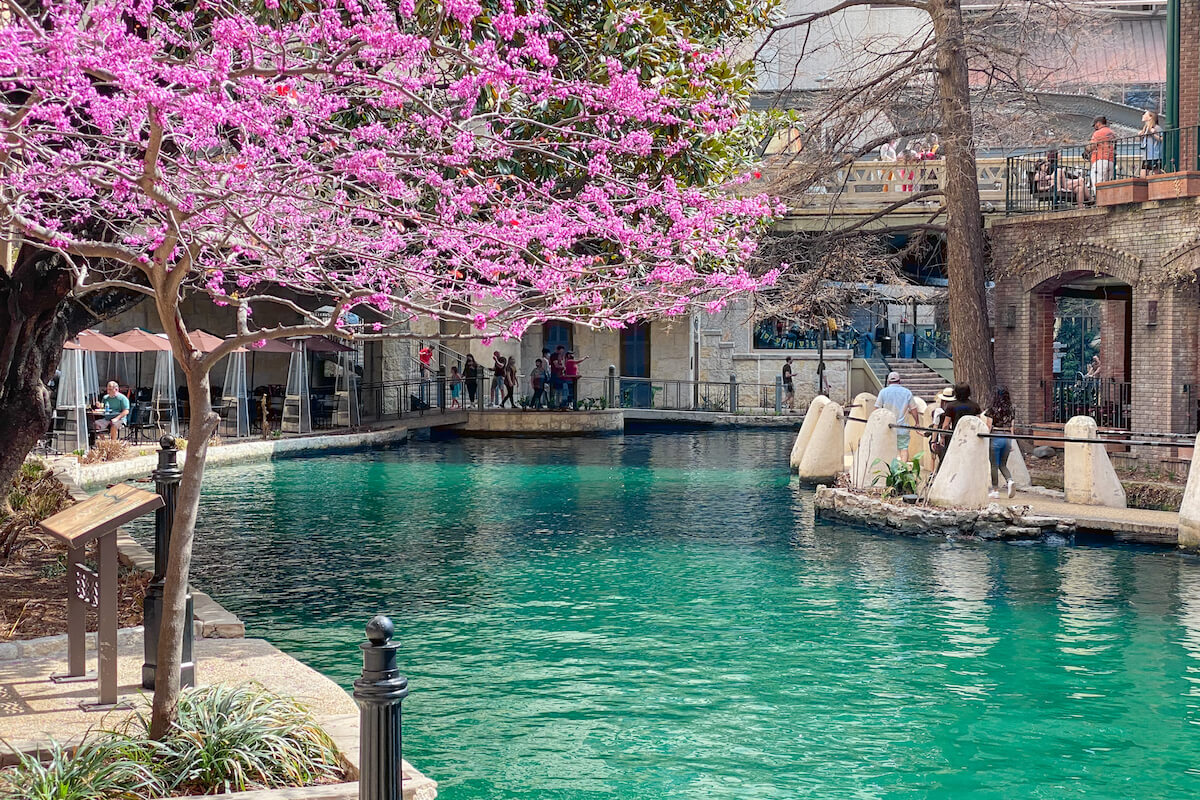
{"type": "Point", "coordinates": [1064, 178]}
{"type": "Point", "coordinates": [1107, 401]}
{"type": "Point", "coordinates": [407, 398]}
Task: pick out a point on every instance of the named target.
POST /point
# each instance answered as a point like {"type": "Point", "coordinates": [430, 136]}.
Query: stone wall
{"type": "Point", "coordinates": [1155, 248]}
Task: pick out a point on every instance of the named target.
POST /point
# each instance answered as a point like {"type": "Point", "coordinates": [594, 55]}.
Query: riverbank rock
{"type": "Point", "coordinates": [991, 522]}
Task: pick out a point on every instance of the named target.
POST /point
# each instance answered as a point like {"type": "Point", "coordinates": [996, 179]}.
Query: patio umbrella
{"type": "Point", "coordinates": [96, 342]}
{"type": "Point", "coordinates": [164, 409]}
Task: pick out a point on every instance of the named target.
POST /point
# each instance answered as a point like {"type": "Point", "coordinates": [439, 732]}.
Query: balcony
{"type": "Point", "coordinates": [1133, 169]}
{"type": "Point", "coordinates": [866, 188]}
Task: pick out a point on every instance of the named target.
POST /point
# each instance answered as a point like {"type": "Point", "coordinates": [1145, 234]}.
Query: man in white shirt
{"type": "Point", "coordinates": [899, 401]}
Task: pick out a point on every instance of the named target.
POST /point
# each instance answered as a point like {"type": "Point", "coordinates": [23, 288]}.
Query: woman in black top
{"type": "Point", "coordinates": [470, 375]}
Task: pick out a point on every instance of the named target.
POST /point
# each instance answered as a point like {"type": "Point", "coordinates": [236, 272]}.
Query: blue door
{"type": "Point", "coordinates": [635, 363]}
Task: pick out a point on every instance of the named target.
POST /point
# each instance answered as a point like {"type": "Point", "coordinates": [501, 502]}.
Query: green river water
{"type": "Point", "coordinates": [657, 616]}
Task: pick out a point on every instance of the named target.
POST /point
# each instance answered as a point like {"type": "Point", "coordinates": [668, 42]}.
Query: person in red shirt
{"type": "Point", "coordinates": [1102, 150]}
{"type": "Point", "coordinates": [571, 378]}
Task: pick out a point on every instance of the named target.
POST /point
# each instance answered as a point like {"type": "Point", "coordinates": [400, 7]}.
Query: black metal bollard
{"type": "Point", "coordinates": [166, 483]}
{"type": "Point", "coordinates": [378, 694]}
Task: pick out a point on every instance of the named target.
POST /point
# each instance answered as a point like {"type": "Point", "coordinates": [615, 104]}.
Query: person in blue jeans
{"type": "Point", "coordinates": [999, 418]}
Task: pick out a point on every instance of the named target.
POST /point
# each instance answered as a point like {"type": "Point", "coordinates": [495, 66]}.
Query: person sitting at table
{"type": "Point", "coordinates": [116, 410]}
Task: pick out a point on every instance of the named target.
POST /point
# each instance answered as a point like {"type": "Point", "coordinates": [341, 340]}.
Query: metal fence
{"type": "Point", "coordinates": [1106, 401]}
{"type": "Point", "coordinates": [1064, 178]}
{"type": "Point", "coordinates": [408, 398]}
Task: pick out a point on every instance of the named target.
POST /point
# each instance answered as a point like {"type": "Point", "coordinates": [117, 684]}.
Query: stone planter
{"type": "Point", "coordinates": [1126, 190]}
{"type": "Point", "coordinates": [1173, 185]}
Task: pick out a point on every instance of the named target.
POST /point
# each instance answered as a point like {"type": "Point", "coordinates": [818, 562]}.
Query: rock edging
{"type": "Point", "coordinates": [992, 522]}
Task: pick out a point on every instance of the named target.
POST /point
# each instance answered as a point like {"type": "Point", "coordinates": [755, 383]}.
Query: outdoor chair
{"type": "Point", "coordinates": [139, 422]}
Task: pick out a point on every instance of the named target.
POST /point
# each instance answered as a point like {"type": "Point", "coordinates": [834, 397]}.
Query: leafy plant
{"type": "Point", "coordinates": [901, 478]}
{"type": "Point", "coordinates": [99, 769]}
{"type": "Point", "coordinates": [234, 738]}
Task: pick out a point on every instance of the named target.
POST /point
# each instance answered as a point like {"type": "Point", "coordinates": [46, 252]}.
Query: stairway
{"type": "Point", "coordinates": [919, 379]}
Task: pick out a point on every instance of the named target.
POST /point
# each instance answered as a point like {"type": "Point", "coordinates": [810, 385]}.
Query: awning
{"type": "Point", "coordinates": [323, 344]}
{"type": "Point", "coordinates": [272, 346]}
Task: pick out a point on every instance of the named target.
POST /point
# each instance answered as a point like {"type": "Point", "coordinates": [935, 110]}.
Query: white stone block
{"type": "Point", "coordinates": [1088, 474]}
{"type": "Point", "coordinates": [963, 479]}
{"type": "Point", "coordinates": [806, 428]}
{"type": "Point", "coordinates": [876, 449]}
{"type": "Point", "coordinates": [822, 460]}
{"type": "Point", "coordinates": [1017, 468]}
{"type": "Point", "coordinates": [863, 405]}
{"type": "Point", "coordinates": [1189, 510]}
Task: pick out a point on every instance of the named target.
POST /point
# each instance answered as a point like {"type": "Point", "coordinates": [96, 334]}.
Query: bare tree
{"type": "Point", "coordinates": [947, 78]}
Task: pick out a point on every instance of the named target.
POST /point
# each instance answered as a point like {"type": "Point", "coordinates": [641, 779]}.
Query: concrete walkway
{"type": "Point", "coordinates": [1123, 524]}
{"type": "Point", "coordinates": [33, 710]}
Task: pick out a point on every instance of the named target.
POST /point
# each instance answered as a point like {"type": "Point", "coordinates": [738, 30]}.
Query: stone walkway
{"type": "Point", "coordinates": [1123, 524]}
{"type": "Point", "coordinates": [33, 710]}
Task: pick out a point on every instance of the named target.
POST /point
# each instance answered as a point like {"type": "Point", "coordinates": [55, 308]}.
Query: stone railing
{"type": "Point", "coordinates": [866, 185]}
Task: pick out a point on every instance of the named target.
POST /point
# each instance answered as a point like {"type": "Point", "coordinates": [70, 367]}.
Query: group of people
{"type": "Point", "coordinates": [953, 403]}
{"type": "Point", "coordinates": [553, 381]}
{"type": "Point", "coordinates": [1101, 155]}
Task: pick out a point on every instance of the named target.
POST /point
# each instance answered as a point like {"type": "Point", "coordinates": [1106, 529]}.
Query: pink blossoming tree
{"type": "Point", "coordinates": [376, 157]}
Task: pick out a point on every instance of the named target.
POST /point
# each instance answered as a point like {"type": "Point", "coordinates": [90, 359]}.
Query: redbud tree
{"type": "Point", "coordinates": [388, 159]}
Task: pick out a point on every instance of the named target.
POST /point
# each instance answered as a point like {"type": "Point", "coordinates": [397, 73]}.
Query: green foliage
{"type": "Point", "coordinates": [237, 738]}
{"type": "Point", "coordinates": [902, 477]}
{"type": "Point", "coordinates": [97, 770]}
{"type": "Point", "coordinates": [227, 739]}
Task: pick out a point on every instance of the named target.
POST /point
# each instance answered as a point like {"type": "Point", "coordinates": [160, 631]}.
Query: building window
{"type": "Point", "coordinates": [557, 333]}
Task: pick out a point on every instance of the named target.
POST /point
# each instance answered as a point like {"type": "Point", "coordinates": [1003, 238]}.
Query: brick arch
{"type": "Point", "coordinates": [1175, 261]}
{"type": "Point", "coordinates": [1064, 263]}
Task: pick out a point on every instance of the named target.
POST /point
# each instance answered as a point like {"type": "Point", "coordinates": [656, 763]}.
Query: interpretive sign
{"type": "Point", "coordinates": [96, 519]}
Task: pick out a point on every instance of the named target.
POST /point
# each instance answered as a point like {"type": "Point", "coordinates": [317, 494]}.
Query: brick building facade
{"type": "Point", "coordinates": [1147, 255]}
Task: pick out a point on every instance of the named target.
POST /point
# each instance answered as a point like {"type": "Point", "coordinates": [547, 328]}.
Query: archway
{"type": "Point", "coordinates": [1084, 326]}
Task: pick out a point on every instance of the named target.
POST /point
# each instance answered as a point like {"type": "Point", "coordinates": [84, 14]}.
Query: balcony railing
{"type": "Point", "coordinates": [1066, 178]}
{"type": "Point", "coordinates": [867, 185]}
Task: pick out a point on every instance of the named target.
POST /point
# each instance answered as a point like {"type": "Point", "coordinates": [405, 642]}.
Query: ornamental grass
{"type": "Point", "coordinates": [226, 739]}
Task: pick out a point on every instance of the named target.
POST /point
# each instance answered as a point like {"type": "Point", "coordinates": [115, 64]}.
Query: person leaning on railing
{"type": "Point", "coordinates": [1150, 138]}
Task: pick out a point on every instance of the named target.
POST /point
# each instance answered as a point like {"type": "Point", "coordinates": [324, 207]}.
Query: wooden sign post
{"type": "Point", "coordinates": [96, 519]}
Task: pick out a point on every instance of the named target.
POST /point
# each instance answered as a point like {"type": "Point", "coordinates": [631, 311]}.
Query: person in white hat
{"type": "Point", "coordinates": [900, 402]}
{"type": "Point", "coordinates": [938, 441]}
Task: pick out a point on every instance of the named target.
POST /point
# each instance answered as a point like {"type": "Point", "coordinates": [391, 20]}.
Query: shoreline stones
{"type": "Point", "coordinates": [991, 522]}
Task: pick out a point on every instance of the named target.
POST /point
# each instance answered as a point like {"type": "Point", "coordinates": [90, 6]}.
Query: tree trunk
{"type": "Point", "coordinates": [969, 332]}
{"type": "Point", "coordinates": [202, 424]}
{"type": "Point", "coordinates": [34, 328]}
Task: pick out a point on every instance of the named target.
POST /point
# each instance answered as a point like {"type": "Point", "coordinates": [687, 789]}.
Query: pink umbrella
{"type": "Point", "coordinates": [97, 342]}
{"type": "Point", "coordinates": [143, 341]}
{"type": "Point", "coordinates": [205, 342]}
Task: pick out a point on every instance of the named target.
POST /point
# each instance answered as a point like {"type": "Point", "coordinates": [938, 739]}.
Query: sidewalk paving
{"type": "Point", "coordinates": [1124, 524]}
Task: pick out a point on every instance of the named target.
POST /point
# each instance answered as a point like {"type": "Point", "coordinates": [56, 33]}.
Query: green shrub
{"type": "Point", "coordinates": [235, 738]}
{"type": "Point", "coordinates": [101, 769]}
{"type": "Point", "coordinates": [901, 478]}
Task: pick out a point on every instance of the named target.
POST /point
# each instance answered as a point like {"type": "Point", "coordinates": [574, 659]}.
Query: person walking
{"type": "Point", "coordinates": [789, 388]}
{"type": "Point", "coordinates": [471, 377]}
{"type": "Point", "coordinates": [899, 401]}
{"type": "Point", "coordinates": [455, 388]}
{"type": "Point", "coordinates": [961, 406]}
{"type": "Point", "coordinates": [556, 376]}
{"type": "Point", "coordinates": [571, 379]}
{"type": "Point", "coordinates": [498, 365]}
{"type": "Point", "coordinates": [999, 416]}
{"type": "Point", "coordinates": [939, 441]}
{"type": "Point", "coordinates": [537, 382]}
{"type": "Point", "coordinates": [510, 382]}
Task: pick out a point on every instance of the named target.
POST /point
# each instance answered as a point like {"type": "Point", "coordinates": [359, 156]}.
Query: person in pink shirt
{"type": "Point", "coordinates": [571, 378]}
